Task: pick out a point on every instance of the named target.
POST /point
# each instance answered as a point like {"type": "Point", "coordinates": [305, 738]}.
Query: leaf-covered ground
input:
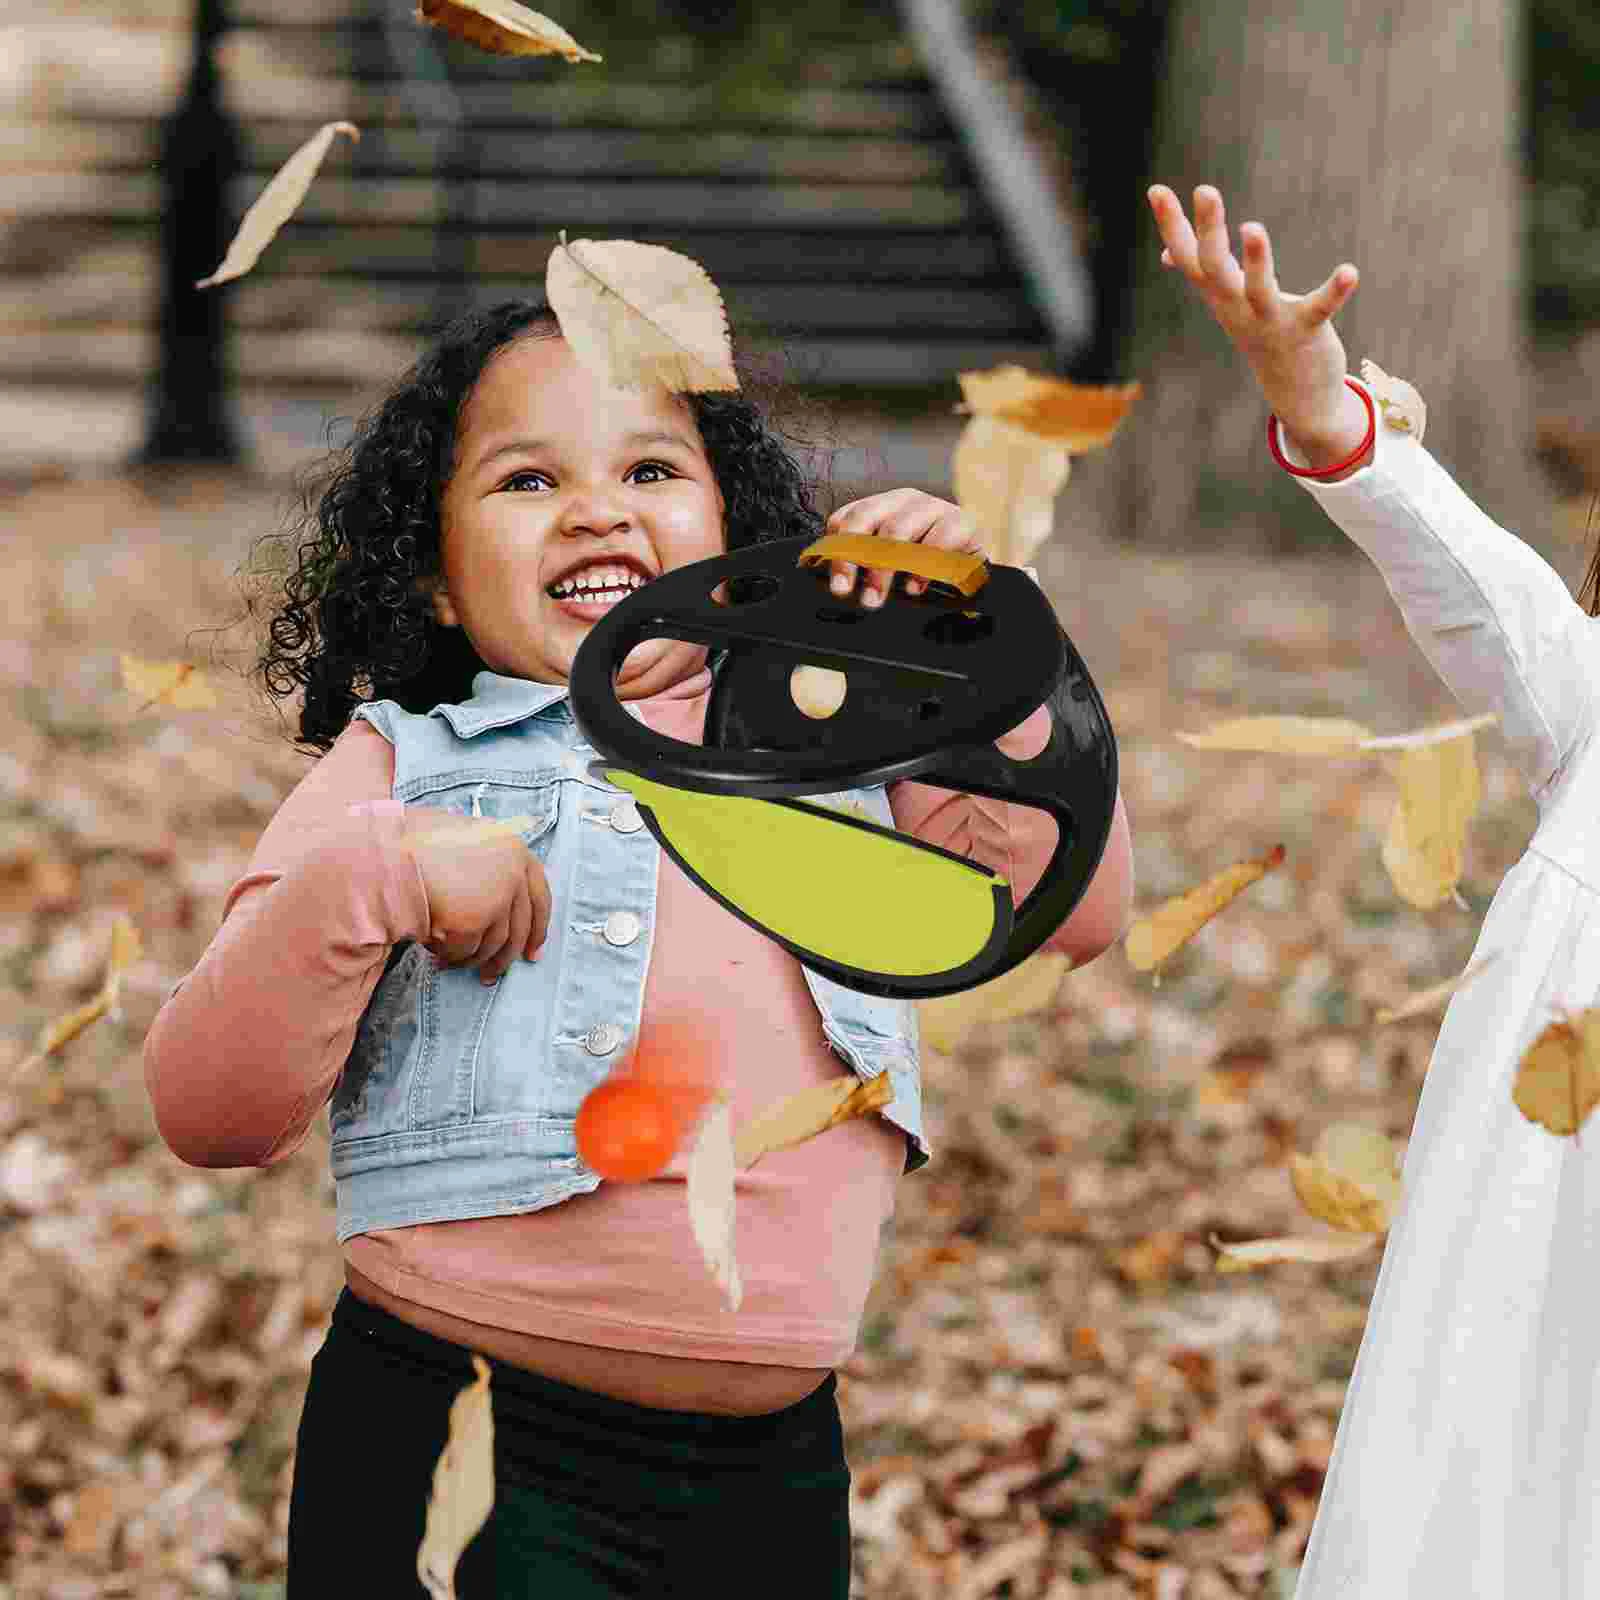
{"type": "Point", "coordinates": [1055, 1395]}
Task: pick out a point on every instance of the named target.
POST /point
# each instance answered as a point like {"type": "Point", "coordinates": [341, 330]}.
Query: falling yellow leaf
{"type": "Point", "coordinates": [1006, 481]}
{"type": "Point", "coordinates": [1424, 1001]}
{"type": "Point", "coordinates": [463, 1486]}
{"type": "Point", "coordinates": [637, 314]}
{"type": "Point", "coordinates": [1435, 768]}
{"type": "Point", "coordinates": [276, 204]}
{"type": "Point", "coordinates": [1424, 847]}
{"type": "Point", "coordinates": [1299, 736]}
{"type": "Point", "coordinates": [1351, 1180]}
{"type": "Point", "coordinates": [1399, 402]}
{"type": "Point", "coordinates": [1174, 922]}
{"type": "Point", "coordinates": [1558, 1079]}
{"type": "Point", "coordinates": [798, 1117]}
{"type": "Point", "coordinates": [1440, 733]}
{"type": "Point", "coordinates": [1028, 987]}
{"type": "Point", "coordinates": [126, 946]}
{"type": "Point", "coordinates": [710, 1187]}
{"type": "Point", "coordinates": [1265, 1252]}
{"type": "Point", "coordinates": [1077, 416]}
{"type": "Point", "coordinates": [168, 683]}
{"type": "Point", "coordinates": [503, 28]}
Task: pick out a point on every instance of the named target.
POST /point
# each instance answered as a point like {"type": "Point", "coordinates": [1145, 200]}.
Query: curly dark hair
{"type": "Point", "coordinates": [355, 614]}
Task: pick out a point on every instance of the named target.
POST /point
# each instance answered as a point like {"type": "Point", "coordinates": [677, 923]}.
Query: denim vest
{"type": "Point", "coordinates": [459, 1098]}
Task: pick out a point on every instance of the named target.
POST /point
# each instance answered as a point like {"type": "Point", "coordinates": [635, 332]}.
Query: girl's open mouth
{"type": "Point", "coordinates": [586, 605]}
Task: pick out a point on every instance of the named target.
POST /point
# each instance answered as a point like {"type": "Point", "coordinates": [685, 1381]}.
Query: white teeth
{"type": "Point", "coordinates": [594, 582]}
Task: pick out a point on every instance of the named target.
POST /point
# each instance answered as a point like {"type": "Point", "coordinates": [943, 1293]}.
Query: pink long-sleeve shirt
{"type": "Point", "coordinates": [248, 1049]}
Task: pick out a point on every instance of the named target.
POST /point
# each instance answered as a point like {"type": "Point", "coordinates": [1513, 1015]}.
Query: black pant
{"type": "Point", "coordinates": [595, 1498]}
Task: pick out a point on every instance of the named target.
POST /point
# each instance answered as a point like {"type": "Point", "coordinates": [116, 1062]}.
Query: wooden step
{"type": "Point", "coordinates": [30, 148]}
{"type": "Point", "coordinates": [113, 73]}
{"type": "Point", "coordinates": [327, 34]}
{"type": "Point", "coordinates": [94, 292]}
{"type": "Point", "coordinates": [363, 50]}
{"type": "Point", "coordinates": [971, 257]}
{"type": "Point", "coordinates": [328, 357]}
{"type": "Point", "coordinates": [336, 197]}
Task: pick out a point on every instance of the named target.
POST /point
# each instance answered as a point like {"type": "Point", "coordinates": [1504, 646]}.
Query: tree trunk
{"type": "Point", "coordinates": [1380, 132]}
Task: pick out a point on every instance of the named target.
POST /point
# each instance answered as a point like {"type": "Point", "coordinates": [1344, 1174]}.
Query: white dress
{"type": "Point", "coordinates": [1467, 1458]}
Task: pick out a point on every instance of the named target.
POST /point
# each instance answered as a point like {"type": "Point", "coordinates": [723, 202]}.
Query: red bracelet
{"type": "Point", "coordinates": [1335, 470]}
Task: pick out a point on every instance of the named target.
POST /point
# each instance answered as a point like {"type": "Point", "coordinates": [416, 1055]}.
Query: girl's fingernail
{"type": "Point", "coordinates": [873, 597]}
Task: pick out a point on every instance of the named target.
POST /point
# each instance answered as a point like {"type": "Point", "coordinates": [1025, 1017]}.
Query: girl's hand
{"type": "Point", "coordinates": [907, 514]}
{"type": "Point", "coordinates": [488, 899]}
{"type": "Point", "coordinates": [1288, 339]}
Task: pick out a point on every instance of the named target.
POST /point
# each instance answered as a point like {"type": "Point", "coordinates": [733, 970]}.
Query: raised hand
{"type": "Point", "coordinates": [1288, 339]}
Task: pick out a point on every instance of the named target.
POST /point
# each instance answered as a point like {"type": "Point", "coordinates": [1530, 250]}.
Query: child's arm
{"type": "Point", "coordinates": [1015, 841]}
{"type": "Point", "coordinates": [1494, 619]}
{"type": "Point", "coordinates": [247, 1049]}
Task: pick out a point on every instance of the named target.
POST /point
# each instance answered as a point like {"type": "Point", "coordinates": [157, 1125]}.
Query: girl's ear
{"type": "Point", "coordinates": [443, 612]}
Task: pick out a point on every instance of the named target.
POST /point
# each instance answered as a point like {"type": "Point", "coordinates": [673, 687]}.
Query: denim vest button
{"type": "Point", "coordinates": [625, 817]}
{"type": "Point", "coordinates": [602, 1038]}
{"type": "Point", "coordinates": [622, 927]}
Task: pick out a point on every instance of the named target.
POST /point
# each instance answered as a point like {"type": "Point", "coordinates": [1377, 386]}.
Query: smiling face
{"type": "Point", "coordinates": [554, 468]}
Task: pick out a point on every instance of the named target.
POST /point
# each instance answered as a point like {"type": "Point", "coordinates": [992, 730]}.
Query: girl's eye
{"type": "Point", "coordinates": [644, 466]}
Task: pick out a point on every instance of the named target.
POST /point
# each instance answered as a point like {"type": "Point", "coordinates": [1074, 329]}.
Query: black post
{"type": "Point", "coordinates": [190, 416]}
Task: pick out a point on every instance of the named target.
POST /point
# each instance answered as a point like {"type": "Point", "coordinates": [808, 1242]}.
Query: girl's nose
{"type": "Point", "coordinates": [597, 510]}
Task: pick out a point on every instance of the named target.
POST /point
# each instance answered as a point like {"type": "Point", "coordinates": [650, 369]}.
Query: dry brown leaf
{"type": "Point", "coordinates": [1006, 480]}
{"type": "Point", "coordinates": [126, 947]}
{"type": "Point", "coordinates": [1152, 1258]}
{"type": "Point", "coordinates": [1298, 736]}
{"type": "Point", "coordinates": [503, 28]}
{"type": "Point", "coordinates": [1424, 847]}
{"type": "Point", "coordinates": [276, 204]}
{"type": "Point", "coordinates": [710, 1185]}
{"type": "Point", "coordinates": [1351, 1180]}
{"type": "Point", "coordinates": [463, 1486]}
{"type": "Point", "coordinates": [1398, 401]}
{"type": "Point", "coordinates": [1174, 922]}
{"type": "Point", "coordinates": [168, 683]}
{"type": "Point", "coordinates": [1264, 1252]}
{"type": "Point", "coordinates": [637, 314]}
{"type": "Point", "coordinates": [798, 1117]}
{"type": "Point", "coordinates": [99, 1509]}
{"type": "Point", "coordinates": [1425, 1000]}
{"type": "Point", "coordinates": [1558, 1079]}
{"type": "Point", "coordinates": [1077, 416]}
{"type": "Point", "coordinates": [1028, 987]}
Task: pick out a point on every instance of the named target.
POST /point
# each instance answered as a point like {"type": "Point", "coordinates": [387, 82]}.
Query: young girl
{"type": "Point", "coordinates": [1467, 1461]}
{"type": "Point", "coordinates": [647, 1439]}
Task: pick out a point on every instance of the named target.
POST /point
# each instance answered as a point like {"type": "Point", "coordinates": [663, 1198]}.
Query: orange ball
{"type": "Point", "coordinates": [629, 1128]}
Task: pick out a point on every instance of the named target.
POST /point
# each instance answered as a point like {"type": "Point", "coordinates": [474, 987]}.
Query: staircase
{"type": "Point", "coordinates": [842, 220]}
